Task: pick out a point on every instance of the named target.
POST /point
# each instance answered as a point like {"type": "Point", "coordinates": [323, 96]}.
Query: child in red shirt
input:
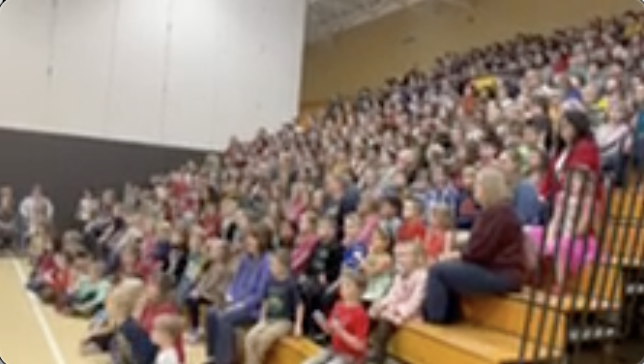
{"type": "Point", "coordinates": [348, 324]}
{"type": "Point", "coordinates": [439, 235]}
{"type": "Point", "coordinates": [413, 225]}
{"type": "Point", "coordinates": [54, 280]}
{"type": "Point", "coordinates": [159, 301]}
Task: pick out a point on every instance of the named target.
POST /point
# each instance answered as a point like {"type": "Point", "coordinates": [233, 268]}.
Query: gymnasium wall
{"type": "Point", "coordinates": [180, 73]}
{"type": "Point", "coordinates": [416, 36]}
{"type": "Point", "coordinates": [94, 93]}
{"type": "Point", "coordinates": [67, 165]}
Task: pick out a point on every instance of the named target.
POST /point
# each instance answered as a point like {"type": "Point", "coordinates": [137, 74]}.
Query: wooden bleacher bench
{"type": "Point", "coordinates": [421, 343]}
{"type": "Point", "coordinates": [623, 211]}
{"type": "Point", "coordinates": [621, 239]}
{"type": "Point", "coordinates": [291, 350]}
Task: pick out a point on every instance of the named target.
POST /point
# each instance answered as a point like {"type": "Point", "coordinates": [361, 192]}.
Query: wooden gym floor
{"type": "Point", "coordinates": [33, 333]}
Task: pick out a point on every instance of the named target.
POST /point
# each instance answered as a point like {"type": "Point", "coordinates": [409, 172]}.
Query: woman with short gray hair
{"type": "Point", "coordinates": [494, 262]}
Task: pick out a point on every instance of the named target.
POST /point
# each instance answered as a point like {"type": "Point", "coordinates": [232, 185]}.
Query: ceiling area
{"type": "Point", "coordinates": [328, 17]}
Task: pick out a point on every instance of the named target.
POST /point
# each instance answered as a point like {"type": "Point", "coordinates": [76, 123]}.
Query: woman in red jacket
{"type": "Point", "coordinates": [578, 151]}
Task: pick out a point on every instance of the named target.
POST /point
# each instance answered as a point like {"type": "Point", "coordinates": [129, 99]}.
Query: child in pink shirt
{"type": "Point", "coordinates": [403, 302]}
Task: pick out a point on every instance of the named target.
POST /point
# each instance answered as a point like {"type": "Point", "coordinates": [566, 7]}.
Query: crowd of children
{"type": "Point", "coordinates": [329, 228]}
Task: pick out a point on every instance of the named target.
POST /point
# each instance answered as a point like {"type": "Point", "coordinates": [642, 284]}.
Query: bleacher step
{"type": "Point", "coordinates": [420, 343]}
{"type": "Point", "coordinates": [624, 198]}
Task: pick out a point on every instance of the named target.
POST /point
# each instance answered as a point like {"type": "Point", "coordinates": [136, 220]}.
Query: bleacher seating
{"type": "Point", "coordinates": [494, 326]}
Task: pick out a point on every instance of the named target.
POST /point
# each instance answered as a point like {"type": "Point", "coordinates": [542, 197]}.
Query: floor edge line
{"type": "Point", "coordinates": [39, 315]}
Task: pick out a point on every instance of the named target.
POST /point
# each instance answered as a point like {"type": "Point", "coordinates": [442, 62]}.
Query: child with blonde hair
{"type": "Point", "coordinates": [439, 235]}
{"type": "Point", "coordinates": [403, 302]}
{"type": "Point", "coordinates": [131, 342]}
{"type": "Point", "coordinates": [166, 331]}
{"type": "Point", "coordinates": [347, 325]}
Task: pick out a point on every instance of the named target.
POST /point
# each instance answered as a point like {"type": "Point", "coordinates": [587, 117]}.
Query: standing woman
{"type": "Point", "coordinates": [577, 149]}
{"type": "Point", "coordinates": [243, 299]}
{"type": "Point", "coordinates": [494, 261]}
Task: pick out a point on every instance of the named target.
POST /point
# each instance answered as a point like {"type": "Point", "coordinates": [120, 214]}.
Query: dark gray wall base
{"type": "Point", "coordinates": [66, 165]}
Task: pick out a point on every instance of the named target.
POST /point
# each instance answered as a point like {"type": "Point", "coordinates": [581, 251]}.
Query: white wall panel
{"type": "Point", "coordinates": [81, 65]}
{"type": "Point", "coordinates": [135, 107]}
{"type": "Point", "coordinates": [24, 56]}
{"type": "Point", "coordinates": [191, 73]}
{"type": "Point", "coordinates": [188, 73]}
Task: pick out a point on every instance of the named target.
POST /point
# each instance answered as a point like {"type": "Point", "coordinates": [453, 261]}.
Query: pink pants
{"type": "Point", "coordinates": [571, 249]}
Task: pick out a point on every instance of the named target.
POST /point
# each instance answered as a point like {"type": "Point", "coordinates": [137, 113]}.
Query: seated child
{"type": "Point", "coordinates": [194, 264]}
{"type": "Point", "coordinates": [158, 300]}
{"type": "Point", "coordinates": [413, 225]}
{"type": "Point", "coordinates": [43, 266]}
{"type": "Point", "coordinates": [130, 342]}
{"type": "Point", "coordinates": [390, 208]}
{"type": "Point", "coordinates": [466, 206]}
{"type": "Point", "coordinates": [355, 250]}
{"type": "Point", "coordinates": [348, 324]}
{"type": "Point", "coordinates": [89, 292]}
{"type": "Point", "coordinates": [132, 266]}
{"type": "Point", "coordinates": [442, 191]}
{"type": "Point", "coordinates": [402, 303]}
{"type": "Point", "coordinates": [210, 288]}
{"type": "Point", "coordinates": [439, 235]}
{"type": "Point", "coordinates": [166, 331]}
{"type": "Point", "coordinates": [368, 210]}
{"type": "Point", "coordinates": [320, 272]}
{"type": "Point", "coordinates": [103, 326]}
{"type": "Point", "coordinates": [54, 282]}
{"type": "Point", "coordinates": [304, 242]}
{"type": "Point", "coordinates": [377, 267]}
{"type": "Point", "coordinates": [282, 311]}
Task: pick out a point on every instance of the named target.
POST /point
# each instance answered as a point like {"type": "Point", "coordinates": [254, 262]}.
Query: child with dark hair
{"type": "Point", "coordinates": [305, 242]}
{"type": "Point", "coordinates": [390, 211]}
{"type": "Point", "coordinates": [377, 266]}
{"type": "Point", "coordinates": [322, 269]}
{"type": "Point", "coordinates": [466, 206]}
{"type": "Point", "coordinates": [210, 287]}
{"type": "Point", "coordinates": [282, 310]}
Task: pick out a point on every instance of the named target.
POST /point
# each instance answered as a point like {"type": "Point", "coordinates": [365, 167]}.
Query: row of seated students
{"type": "Point", "coordinates": [353, 291]}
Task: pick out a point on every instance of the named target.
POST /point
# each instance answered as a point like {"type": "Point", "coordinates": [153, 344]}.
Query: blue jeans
{"type": "Point", "coordinates": [220, 333]}
{"type": "Point", "coordinates": [616, 164]}
{"type": "Point", "coordinates": [449, 281]}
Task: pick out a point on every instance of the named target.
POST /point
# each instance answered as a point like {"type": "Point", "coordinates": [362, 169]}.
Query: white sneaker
{"type": "Point", "coordinates": [193, 337]}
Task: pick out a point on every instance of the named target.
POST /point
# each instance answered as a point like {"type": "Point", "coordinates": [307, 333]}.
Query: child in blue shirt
{"type": "Point", "coordinates": [355, 250]}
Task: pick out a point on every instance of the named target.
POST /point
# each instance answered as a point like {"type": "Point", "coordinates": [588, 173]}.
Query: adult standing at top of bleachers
{"type": "Point", "coordinates": [36, 210]}
{"type": "Point", "coordinates": [577, 149]}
